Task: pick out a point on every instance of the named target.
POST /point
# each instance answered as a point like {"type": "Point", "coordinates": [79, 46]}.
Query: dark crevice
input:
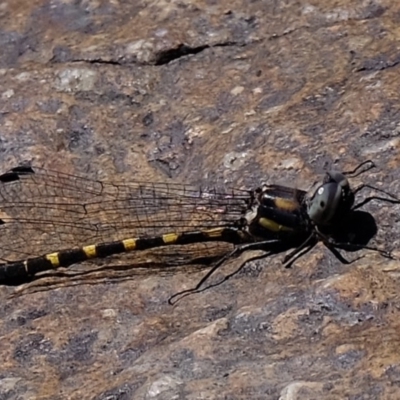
{"type": "Point", "coordinates": [377, 65]}
{"type": "Point", "coordinates": [62, 55]}
{"type": "Point", "coordinates": [288, 31]}
{"type": "Point", "coordinates": [161, 58]}
{"type": "Point", "coordinates": [165, 57]}
{"type": "Point", "coordinates": [101, 61]}
{"type": "Point", "coordinates": [89, 61]}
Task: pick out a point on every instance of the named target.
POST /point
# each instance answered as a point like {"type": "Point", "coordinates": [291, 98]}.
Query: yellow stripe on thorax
{"type": "Point", "coordinates": [285, 204]}
{"type": "Point", "coordinates": [272, 225]}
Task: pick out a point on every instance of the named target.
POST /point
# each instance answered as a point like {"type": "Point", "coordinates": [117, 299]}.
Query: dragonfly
{"type": "Point", "coordinates": [70, 219]}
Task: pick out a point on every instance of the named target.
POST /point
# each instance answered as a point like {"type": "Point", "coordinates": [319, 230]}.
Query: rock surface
{"type": "Point", "coordinates": [231, 93]}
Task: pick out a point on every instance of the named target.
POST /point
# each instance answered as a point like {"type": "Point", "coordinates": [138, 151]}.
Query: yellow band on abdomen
{"type": "Point", "coordinates": [170, 238]}
{"type": "Point", "coordinates": [129, 244]}
{"type": "Point", "coordinates": [90, 251]}
{"type": "Point", "coordinates": [54, 260]}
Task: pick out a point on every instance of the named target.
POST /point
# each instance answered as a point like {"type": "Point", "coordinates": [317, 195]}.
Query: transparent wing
{"type": "Point", "coordinates": [44, 211]}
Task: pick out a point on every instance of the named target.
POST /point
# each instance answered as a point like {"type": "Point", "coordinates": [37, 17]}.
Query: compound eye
{"type": "Point", "coordinates": [322, 195]}
{"type": "Point", "coordinates": [323, 205]}
{"type": "Point", "coordinates": [321, 198]}
{"type": "Point", "coordinates": [337, 177]}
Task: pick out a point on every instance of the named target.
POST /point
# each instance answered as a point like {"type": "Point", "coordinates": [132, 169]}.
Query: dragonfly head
{"type": "Point", "coordinates": [331, 201]}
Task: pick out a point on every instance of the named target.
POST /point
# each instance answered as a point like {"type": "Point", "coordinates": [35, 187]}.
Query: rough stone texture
{"type": "Point", "coordinates": [232, 92]}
